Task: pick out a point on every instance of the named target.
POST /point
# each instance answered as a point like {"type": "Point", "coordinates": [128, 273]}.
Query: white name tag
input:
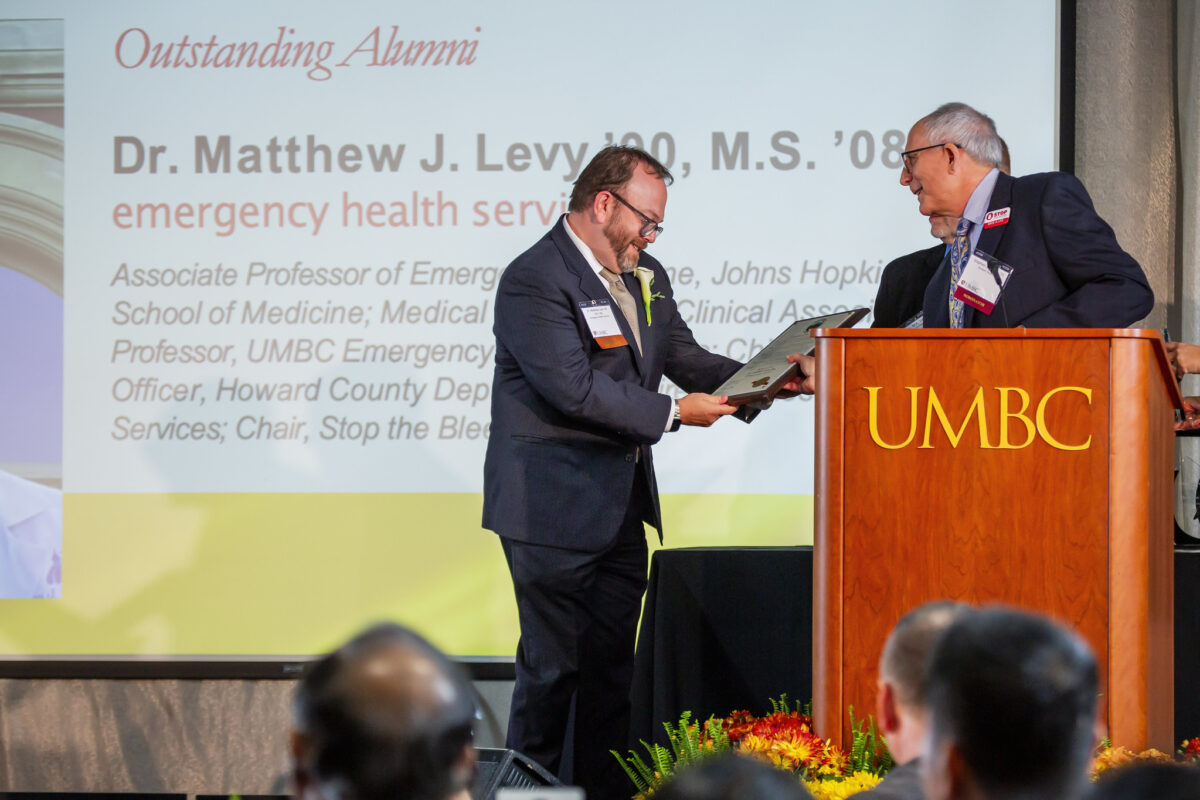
{"type": "Point", "coordinates": [982, 280]}
{"type": "Point", "coordinates": [541, 793]}
{"type": "Point", "coordinates": [603, 324]}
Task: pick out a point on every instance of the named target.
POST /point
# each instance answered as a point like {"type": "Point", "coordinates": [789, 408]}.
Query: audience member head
{"type": "Point", "coordinates": [1012, 703]}
{"type": "Point", "coordinates": [384, 717]}
{"type": "Point", "coordinates": [900, 703]}
{"type": "Point", "coordinates": [946, 155]}
{"type": "Point", "coordinates": [732, 777]}
{"type": "Point", "coordinates": [1149, 781]}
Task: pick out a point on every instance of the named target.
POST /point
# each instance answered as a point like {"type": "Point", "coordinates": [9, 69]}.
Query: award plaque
{"type": "Point", "coordinates": [758, 381]}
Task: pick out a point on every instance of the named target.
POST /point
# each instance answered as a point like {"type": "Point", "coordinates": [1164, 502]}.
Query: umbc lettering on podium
{"type": "Point", "coordinates": [1008, 402]}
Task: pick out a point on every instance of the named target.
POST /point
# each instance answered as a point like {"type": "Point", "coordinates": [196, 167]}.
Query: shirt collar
{"type": "Point", "coordinates": [977, 205]}
{"type": "Point", "coordinates": [584, 250]}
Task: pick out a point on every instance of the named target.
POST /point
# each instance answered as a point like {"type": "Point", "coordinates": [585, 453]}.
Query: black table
{"type": "Point", "coordinates": [728, 628]}
{"type": "Point", "coordinates": [724, 628]}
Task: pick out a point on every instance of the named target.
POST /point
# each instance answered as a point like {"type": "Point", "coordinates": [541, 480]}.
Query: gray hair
{"type": "Point", "coordinates": [964, 126]}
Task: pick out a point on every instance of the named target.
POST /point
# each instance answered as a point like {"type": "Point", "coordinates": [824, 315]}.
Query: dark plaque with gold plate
{"type": "Point", "coordinates": [761, 378]}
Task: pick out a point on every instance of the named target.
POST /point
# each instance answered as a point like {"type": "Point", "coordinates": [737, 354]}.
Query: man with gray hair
{"type": "Point", "coordinates": [902, 285]}
{"type": "Point", "coordinates": [1012, 709]}
{"type": "Point", "coordinates": [900, 700]}
{"type": "Point", "coordinates": [1067, 270]}
{"type": "Point", "coordinates": [384, 717]}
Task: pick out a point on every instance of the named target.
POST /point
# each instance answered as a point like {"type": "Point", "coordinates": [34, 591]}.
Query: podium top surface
{"type": "Point", "coordinates": [1152, 336]}
{"type": "Point", "coordinates": [988, 333]}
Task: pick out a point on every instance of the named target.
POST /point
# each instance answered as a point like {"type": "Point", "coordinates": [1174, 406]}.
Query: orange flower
{"type": "Point", "coordinates": [801, 751]}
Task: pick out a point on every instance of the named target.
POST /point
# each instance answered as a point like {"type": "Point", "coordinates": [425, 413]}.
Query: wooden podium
{"type": "Point", "coordinates": [1028, 467]}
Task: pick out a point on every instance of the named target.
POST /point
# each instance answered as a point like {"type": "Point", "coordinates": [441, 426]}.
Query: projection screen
{"type": "Point", "coordinates": [248, 254]}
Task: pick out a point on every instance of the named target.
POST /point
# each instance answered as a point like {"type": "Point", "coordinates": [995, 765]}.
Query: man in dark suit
{"type": "Point", "coordinates": [902, 285]}
{"type": "Point", "coordinates": [586, 327]}
{"type": "Point", "coordinates": [1068, 270]}
{"type": "Point", "coordinates": [901, 295]}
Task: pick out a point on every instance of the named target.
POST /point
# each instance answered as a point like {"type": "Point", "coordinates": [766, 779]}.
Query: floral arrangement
{"type": "Point", "coordinates": [1108, 757]}
{"type": "Point", "coordinates": [784, 738]}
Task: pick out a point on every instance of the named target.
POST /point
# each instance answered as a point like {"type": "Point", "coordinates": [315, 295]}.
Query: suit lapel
{"type": "Point", "coordinates": [592, 287]}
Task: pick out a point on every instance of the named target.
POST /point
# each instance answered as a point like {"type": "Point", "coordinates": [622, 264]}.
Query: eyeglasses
{"type": "Point", "coordinates": [650, 227]}
{"type": "Point", "coordinates": [906, 156]}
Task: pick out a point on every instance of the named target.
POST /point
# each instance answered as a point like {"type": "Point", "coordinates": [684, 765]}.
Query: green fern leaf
{"type": "Point", "coordinates": [639, 783]}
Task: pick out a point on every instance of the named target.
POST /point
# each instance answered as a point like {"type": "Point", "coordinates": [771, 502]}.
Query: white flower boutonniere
{"type": "Point", "coordinates": [646, 279]}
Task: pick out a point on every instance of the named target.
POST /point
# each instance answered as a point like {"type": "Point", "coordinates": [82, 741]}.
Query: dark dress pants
{"type": "Point", "coordinates": [578, 613]}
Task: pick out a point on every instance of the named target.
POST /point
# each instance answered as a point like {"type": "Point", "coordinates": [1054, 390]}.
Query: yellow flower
{"type": "Point", "coordinates": [837, 759]}
{"type": "Point", "coordinates": [839, 790]}
{"type": "Point", "coordinates": [1111, 757]}
{"type": "Point", "coordinates": [756, 744]}
{"type": "Point", "coordinates": [799, 751]}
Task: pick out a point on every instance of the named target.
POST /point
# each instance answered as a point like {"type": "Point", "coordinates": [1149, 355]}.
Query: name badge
{"type": "Point", "coordinates": [983, 278]}
{"type": "Point", "coordinates": [603, 324]}
{"type": "Point", "coordinates": [998, 217]}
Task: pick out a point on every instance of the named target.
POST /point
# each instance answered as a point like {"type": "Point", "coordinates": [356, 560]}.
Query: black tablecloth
{"type": "Point", "coordinates": [1187, 644]}
{"type": "Point", "coordinates": [724, 628]}
{"type": "Point", "coordinates": [730, 627]}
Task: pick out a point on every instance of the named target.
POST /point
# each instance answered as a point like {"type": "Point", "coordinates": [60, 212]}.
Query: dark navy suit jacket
{"type": "Point", "coordinates": [1068, 270]}
{"type": "Point", "coordinates": [570, 419]}
{"type": "Point", "coordinates": [902, 287]}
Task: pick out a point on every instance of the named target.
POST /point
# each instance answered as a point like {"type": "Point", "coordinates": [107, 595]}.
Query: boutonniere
{"type": "Point", "coordinates": [646, 279]}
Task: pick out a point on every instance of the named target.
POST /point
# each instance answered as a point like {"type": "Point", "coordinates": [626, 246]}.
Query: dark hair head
{"type": "Point", "coordinates": [610, 170]}
{"type": "Point", "coordinates": [1016, 693]}
{"type": "Point", "coordinates": [1149, 781]}
{"type": "Point", "coordinates": [732, 777]}
{"type": "Point", "coordinates": [386, 715]}
{"type": "Point", "coordinates": [906, 652]}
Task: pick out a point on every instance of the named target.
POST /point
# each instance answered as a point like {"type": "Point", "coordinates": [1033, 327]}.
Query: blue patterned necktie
{"type": "Point", "coordinates": [959, 252]}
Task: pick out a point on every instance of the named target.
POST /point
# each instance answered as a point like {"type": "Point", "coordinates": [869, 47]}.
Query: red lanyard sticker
{"type": "Point", "coordinates": [998, 217]}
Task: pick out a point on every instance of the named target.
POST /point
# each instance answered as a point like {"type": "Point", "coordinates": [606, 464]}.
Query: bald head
{"type": "Point", "coordinates": [384, 716]}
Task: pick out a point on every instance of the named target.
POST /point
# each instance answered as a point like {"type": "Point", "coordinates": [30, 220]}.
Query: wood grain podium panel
{"type": "Point", "coordinates": [978, 468]}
